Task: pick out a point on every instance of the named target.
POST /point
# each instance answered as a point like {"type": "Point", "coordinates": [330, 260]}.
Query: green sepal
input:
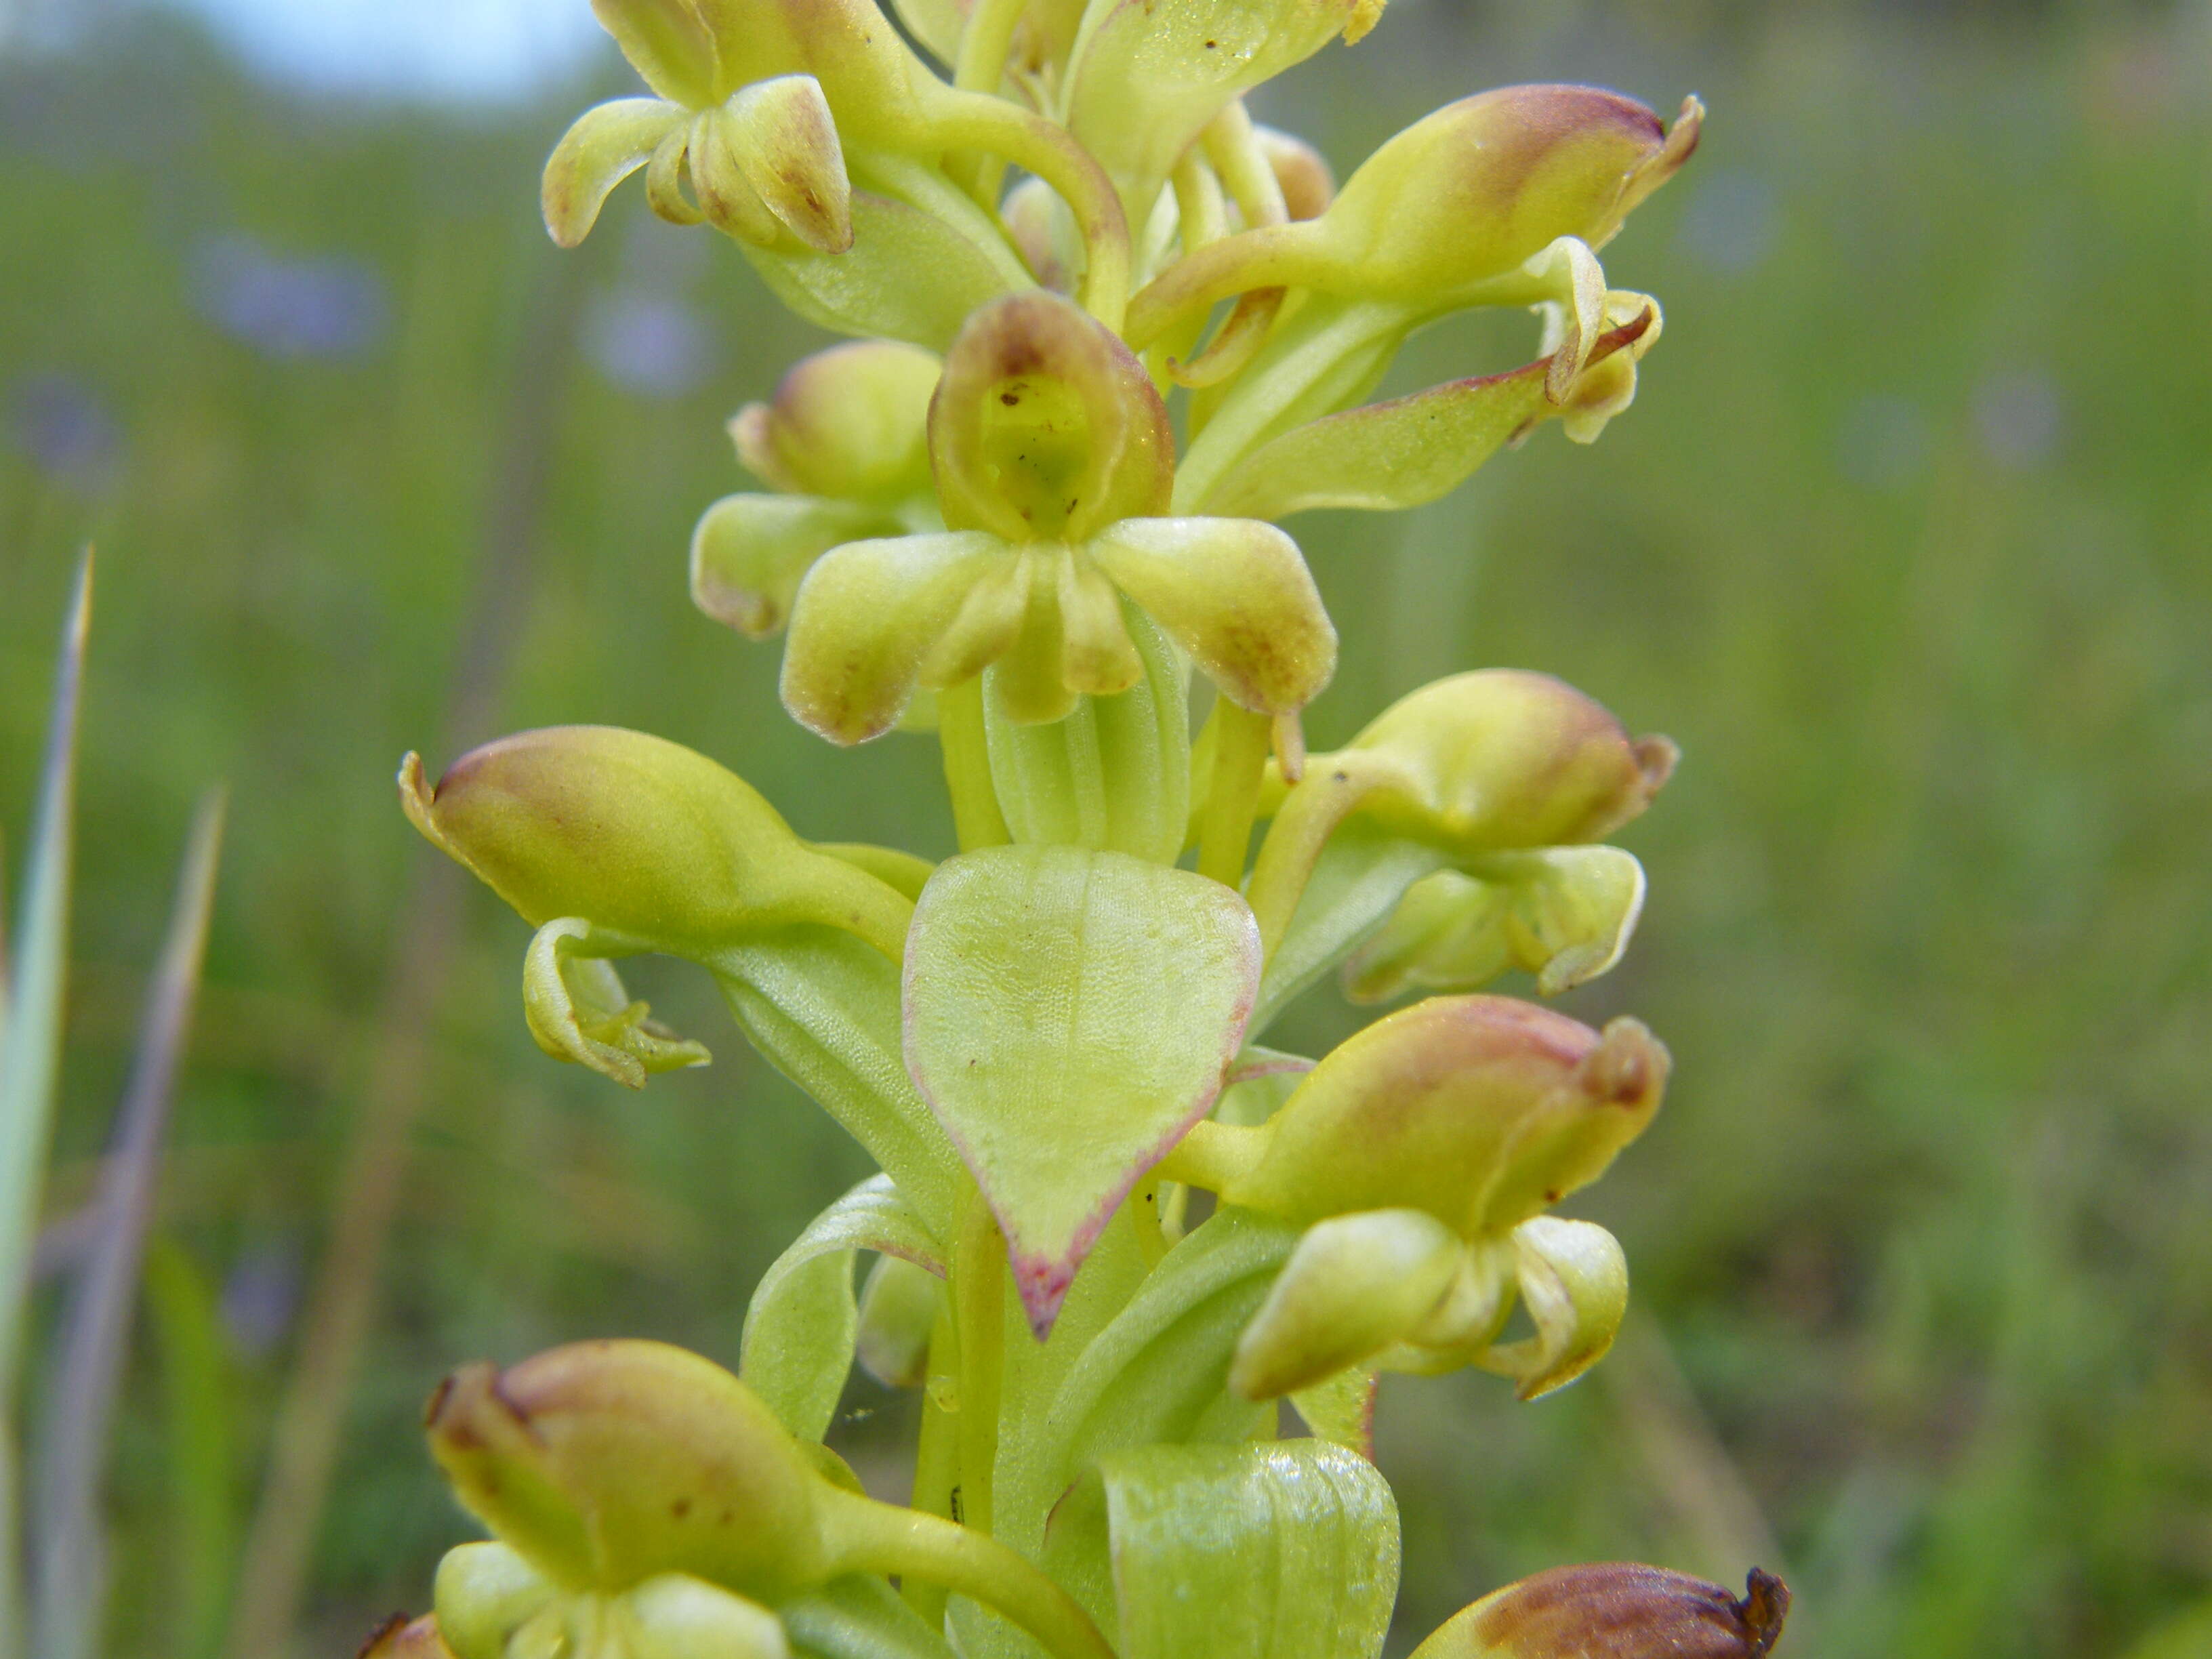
{"type": "Point", "coordinates": [1565, 913]}
{"type": "Point", "coordinates": [908, 275]}
{"type": "Point", "coordinates": [1158, 1372]}
{"type": "Point", "coordinates": [1068, 1015]}
{"type": "Point", "coordinates": [823, 1008]}
{"type": "Point", "coordinates": [1356, 1286]}
{"type": "Point", "coordinates": [802, 1323]}
{"type": "Point", "coordinates": [574, 1004]}
{"type": "Point", "coordinates": [1115, 774]}
{"type": "Point", "coordinates": [1281, 1551]}
{"type": "Point", "coordinates": [858, 1617]}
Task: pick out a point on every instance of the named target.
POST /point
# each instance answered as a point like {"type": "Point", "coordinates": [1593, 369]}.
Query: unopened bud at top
{"type": "Point", "coordinates": [605, 1463]}
{"type": "Point", "coordinates": [1618, 1610]}
{"type": "Point", "coordinates": [1480, 1110]}
{"type": "Point", "coordinates": [848, 424]}
{"type": "Point", "coordinates": [1503, 758]}
{"type": "Point", "coordinates": [1044, 427]}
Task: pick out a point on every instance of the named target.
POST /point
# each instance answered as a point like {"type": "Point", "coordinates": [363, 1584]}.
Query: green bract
{"type": "Point", "coordinates": [1111, 331]}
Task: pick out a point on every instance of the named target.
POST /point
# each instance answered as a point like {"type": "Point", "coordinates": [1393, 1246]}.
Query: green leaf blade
{"type": "Point", "coordinates": [1068, 1015]}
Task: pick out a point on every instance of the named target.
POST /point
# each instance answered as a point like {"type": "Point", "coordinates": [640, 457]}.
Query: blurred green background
{"type": "Point", "coordinates": [1907, 541]}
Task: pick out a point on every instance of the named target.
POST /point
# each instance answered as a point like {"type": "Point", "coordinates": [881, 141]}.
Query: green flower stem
{"type": "Point", "coordinates": [1144, 1215]}
{"type": "Point", "coordinates": [979, 1306]}
{"type": "Point", "coordinates": [1215, 1155]}
{"type": "Point", "coordinates": [1309, 816]}
{"type": "Point", "coordinates": [936, 1455]}
{"type": "Point", "coordinates": [974, 120]}
{"type": "Point", "coordinates": [870, 1537]}
{"type": "Point", "coordinates": [960, 732]}
{"type": "Point", "coordinates": [1233, 147]}
{"type": "Point", "coordinates": [1240, 739]}
{"type": "Point", "coordinates": [984, 44]}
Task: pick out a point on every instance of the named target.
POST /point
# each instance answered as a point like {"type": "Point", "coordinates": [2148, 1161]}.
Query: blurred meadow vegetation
{"type": "Point", "coordinates": [1908, 542]}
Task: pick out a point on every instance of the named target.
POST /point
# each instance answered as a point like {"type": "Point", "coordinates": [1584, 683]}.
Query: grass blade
{"type": "Point", "coordinates": [30, 1056]}
{"type": "Point", "coordinates": [69, 1543]}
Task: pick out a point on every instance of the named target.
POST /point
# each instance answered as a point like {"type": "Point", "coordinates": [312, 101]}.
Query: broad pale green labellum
{"type": "Point", "coordinates": [1068, 1015]}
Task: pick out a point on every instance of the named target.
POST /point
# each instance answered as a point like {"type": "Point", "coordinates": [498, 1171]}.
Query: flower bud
{"type": "Point", "coordinates": [849, 424]}
{"type": "Point", "coordinates": [1044, 426]}
{"type": "Point", "coordinates": [605, 1463]}
{"type": "Point", "coordinates": [1480, 1110]}
{"type": "Point", "coordinates": [1620, 1610]}
{"type": "Point", "coordinates": [1459, 200]}
{"type": "Point", "coordinates": [1502, 759]}
{"type": "Point", "coordinates": [1302, 173]}
{"type": "Point", "coordinates": [657, 847]}
{"type": "Point", "coordinates": [402, 1637]}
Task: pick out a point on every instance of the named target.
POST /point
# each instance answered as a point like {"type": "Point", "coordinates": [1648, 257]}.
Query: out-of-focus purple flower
{"type": "Point", "coordinates": [2020, 417]}
{"type": "Point", "coordinates": [65, 429]}
{"type": "Point", "coordinates": [653, 345]}
{"type": "Point", "coordinates": [259, 1298]}
{"type": "Point", "coordinates": [324, 307]}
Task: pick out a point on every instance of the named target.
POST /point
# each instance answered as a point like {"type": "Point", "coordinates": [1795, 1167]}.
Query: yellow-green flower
{"type": "Point", "coordinates": [1055, 465]}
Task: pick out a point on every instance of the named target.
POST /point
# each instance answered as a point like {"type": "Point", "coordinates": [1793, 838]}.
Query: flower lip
{"type": "Point", "coordinates": [1045, 426]}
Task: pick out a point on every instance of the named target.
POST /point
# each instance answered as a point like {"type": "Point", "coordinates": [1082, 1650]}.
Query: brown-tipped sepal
{"type": "Point", "coordinates": [1616, 1610]}
{"type": "Point", "coordinates": [1501, 758]}
{"type": "Point", "coordinates": [1482, 1111]}
{"type": "Point", "coordinates": [602, 1464]}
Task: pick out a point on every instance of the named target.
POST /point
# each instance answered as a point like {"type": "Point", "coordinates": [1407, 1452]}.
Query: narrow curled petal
{"type": "Point", "coordinates": [1356, 1284]}
{"type": "Point", "coordinates": [750, 553]}
{"type": "Point", "coordinates": [578, 1012]}
{"type": "Point", "coordinates": [783, 137]}
{"type": "Point", "coordinates": [1616, 1610]}
{"type": "Point", "coordinates": [1237, 595]}
{"type": "Point", "coordinates": [603, 147]}
{"type": "Point", "coordinates": [867, 617]}
{"type": "Point", "coordinates": [665, 172]}
{"type": "Point", "coordinates": [1574, 1282]}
